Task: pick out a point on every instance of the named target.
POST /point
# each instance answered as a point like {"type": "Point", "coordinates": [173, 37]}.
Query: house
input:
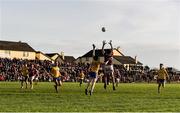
{"type": "Point", "coordinates": [61, 58]}
{"type": "Point", "coordinates": [87, 58]}
{"type": "Point", "coordinates": [69, 59]}
{"type": "Point", "coordinates": [19, 50]}
{"type": "Point", "coordinates": [55, 57]}
{"type": "Point", "coordinates": [42, 56]}
{"type": "Point", "coordinates": [127, 61]}
{"type": "Point", "coordinates": [118, 58]}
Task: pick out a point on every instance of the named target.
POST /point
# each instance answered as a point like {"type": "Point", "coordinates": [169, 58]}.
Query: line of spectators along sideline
{"type": "Point", "coordinates": [10, 70]}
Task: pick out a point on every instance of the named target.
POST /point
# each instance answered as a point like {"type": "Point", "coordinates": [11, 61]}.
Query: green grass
{"type": "Point", "coordinates": [132, 97]}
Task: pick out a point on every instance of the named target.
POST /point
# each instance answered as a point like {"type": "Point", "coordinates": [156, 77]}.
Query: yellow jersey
{"type": "Point", "coordinates": [55, 72]}
{"type": "Point", "coordinates": [81, 75]}
{"type": "Point", "coordinates": [24, 71]}
{"type": "Point", "coordinates": [95, 65]}
{"type": "Point", "coordinates": [162, 74]}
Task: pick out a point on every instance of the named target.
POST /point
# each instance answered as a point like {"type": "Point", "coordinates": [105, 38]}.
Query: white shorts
{"type": "Point", "coordinates": [118, 79]}
{"type": "Point", "coordinates": [31, 78]}
{"type": "Point", "coordinates": [108, 69]}
{"type": "Point", "coordinates": [36, 78]}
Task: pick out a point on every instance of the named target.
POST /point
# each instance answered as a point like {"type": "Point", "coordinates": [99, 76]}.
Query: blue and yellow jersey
{"type": "Point", "coordinates": [55, 71]}
{"type": "Point", "coordinates": [95, 65]}
{"type": "Point", "coordinates": [81, 75]}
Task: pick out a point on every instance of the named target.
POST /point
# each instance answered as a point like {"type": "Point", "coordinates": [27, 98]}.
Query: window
{"type": "Point", "coordinates": [7, 53]}
{"type": "Point", "coordinates": [25, 54]}
{"type": "Point", "coordinates": [87, 58]}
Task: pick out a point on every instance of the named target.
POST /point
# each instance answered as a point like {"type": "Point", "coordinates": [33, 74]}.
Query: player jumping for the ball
{"type": "Point", "coordinates": [108, 64]}
{"type": "Point", "coordinates": [93, 72]}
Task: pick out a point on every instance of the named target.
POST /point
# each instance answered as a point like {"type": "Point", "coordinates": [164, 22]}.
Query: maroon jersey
{"type": "Point", "coordinates": [32, 72]}
{"type": "Point", "coordinates": [108, 59]}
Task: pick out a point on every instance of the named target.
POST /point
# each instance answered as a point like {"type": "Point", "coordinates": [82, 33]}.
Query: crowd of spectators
{"type": "Point", "coordinates": [10, 70]}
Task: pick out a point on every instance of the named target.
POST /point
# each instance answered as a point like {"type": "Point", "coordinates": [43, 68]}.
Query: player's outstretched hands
{"type": "Point", "coordinates": [110, 42]}
{"type": "Point", "coordinates": [104, 42]}
{"type": "Point", "coordinates": [94, 46]}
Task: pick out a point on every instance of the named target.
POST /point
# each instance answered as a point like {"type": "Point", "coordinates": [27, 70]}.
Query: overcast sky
{"type": "Point", "coordinates": [149, 29]}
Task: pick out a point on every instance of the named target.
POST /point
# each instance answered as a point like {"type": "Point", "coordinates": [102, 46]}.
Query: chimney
{"type": "Point", "coordinates": [135, 59]}
{"type": "Point", "coordinates": [62, 54]}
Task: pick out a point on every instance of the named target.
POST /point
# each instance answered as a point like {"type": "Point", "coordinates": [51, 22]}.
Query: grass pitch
{"type": "Point", "coordinates": [133, 97]}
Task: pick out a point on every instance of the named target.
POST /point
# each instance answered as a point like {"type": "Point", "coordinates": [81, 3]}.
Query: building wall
{"type": "Point", "coordinates": [89, 60]}
{"type": "Point", "coordinates": [3, 54]}
{"type": "Point", "coordinates": [116, 62]}
{"type": "Point", "coordinates": [58, 59]}
{"type": "Point", "coordinates": [38, 56]}
{"type": "Point", "coordinates": [41, 56]}
{"type": "Point", "coordinates": [17, 54]}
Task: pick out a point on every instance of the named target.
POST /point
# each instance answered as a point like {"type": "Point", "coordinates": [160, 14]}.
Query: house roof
{"type": "Point", "coordinates": [66, 58]}
{"type": "Point", "coordinates": [126, 60]}
{"type": "Point", "coordinates": [120, 52]}
{"type": "Point", "coordinates": [69, 59]}
{"type": "Point", "coordinates": [98, 52]}
{"type": "Point", "coordinates": [51, 54]}
{"type": "Point", "coordinates": [15, 46]}
{"type": "Point", "coordinates": [44, 54]}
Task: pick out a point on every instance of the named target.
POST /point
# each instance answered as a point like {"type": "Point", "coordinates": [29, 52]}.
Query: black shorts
{"type": "Point", "coordinates": [160, 81]}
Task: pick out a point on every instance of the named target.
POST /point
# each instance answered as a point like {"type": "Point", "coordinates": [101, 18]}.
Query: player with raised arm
{"type": "Point", "coordinates": [108, 64]}
{"type": "Point", "coordinates": [93, 72]}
